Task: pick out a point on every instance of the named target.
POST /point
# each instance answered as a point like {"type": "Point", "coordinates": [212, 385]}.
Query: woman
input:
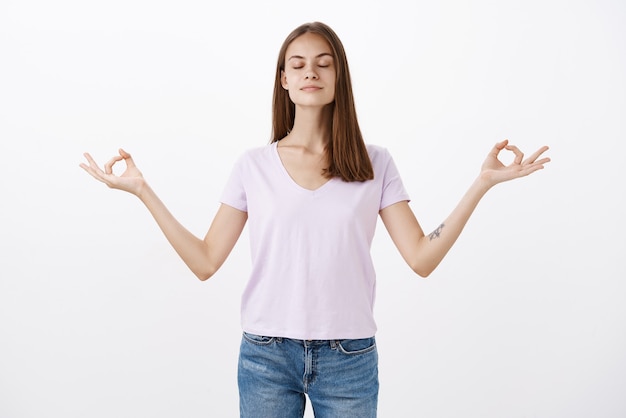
{"type": "Point", "coordinates": [312, 198]}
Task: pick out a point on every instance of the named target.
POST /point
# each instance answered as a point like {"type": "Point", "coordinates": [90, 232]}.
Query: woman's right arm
{"type": "Point", "coordinates": [203, 257]}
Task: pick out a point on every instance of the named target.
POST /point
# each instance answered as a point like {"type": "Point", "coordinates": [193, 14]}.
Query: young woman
{"type": "Point", "coordinates": [311, 199]}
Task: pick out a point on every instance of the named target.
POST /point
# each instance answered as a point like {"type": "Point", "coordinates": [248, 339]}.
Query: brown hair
{"type": "Point", "coordinates": [346, 152]}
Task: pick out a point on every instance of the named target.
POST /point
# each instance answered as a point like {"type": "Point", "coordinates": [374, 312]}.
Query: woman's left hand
{"type": "Point", "coordinates": [493, 171]}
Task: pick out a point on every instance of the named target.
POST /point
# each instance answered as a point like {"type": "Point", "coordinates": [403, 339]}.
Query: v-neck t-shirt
{"type": "Point", "coordinates": [312, 273]}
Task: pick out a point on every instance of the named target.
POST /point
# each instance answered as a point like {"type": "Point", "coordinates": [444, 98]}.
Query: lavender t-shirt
{"type": "Point", "coordinates": [312, 274]}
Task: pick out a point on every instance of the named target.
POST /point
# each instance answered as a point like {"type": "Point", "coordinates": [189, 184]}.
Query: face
{"type": "Point", "coordinates": [309, 73]}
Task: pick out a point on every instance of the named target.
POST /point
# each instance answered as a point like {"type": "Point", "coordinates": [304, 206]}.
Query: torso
{"type": "Point", "coordinates": [312, 275]}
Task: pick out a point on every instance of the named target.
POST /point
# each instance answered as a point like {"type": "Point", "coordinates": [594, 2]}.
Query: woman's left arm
{"type": "Point", "coordinates": [423, 253]}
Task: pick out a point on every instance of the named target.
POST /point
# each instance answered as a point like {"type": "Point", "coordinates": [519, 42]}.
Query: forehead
{"type": "Point", "coordinates": [308, 44]}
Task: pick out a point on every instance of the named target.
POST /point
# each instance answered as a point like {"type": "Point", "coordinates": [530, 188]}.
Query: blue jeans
{"type": "Point", "coordinates": [339, 376]}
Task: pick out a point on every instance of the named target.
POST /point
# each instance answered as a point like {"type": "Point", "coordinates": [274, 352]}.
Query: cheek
{"type": "Point", "coordinates": [331, 87]}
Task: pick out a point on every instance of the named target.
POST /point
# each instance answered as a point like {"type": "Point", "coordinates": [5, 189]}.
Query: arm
{"type": "Point", "coordinates": [424, 253]}
{"type": "Point", "coordinates": [203, 257]}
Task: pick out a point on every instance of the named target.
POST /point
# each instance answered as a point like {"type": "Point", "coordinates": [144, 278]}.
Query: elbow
{"type": "Point", "coordinates": [204, 274]}
{"type": "Point", "coordinates": [423, 269]}
{"type": "Point", "coordinates": [422, 272]}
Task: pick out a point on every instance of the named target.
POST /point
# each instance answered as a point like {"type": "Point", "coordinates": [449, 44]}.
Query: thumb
{"type": "Point", "coordinates": [127, 158]}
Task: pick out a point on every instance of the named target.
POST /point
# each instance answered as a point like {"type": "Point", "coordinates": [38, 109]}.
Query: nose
{"type": "Point", "coordinates": [310, 75]}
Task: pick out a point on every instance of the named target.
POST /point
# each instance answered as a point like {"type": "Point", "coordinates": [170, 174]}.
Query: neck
{"type": "Point", "coordinates": [311, 127]}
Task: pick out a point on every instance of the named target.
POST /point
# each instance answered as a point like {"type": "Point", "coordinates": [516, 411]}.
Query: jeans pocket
{"type": "Point", "coordinates": [258, 339]}
{"type": "Point", "coordinates": [358, 346]}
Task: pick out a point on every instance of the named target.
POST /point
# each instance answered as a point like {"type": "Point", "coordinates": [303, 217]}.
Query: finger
{"type": "Point", "coordinates": [536, 155]}
{"type": "Point", "coordinates": [92, 168]}
{"type": "Point", "coordinates": [529, 169]}
{"type": "Point", "coordinates": [519, 155]}
{"type": "Point", "coordinates": [499, 146]}
{"type": "Point", "coordinates": [93, 173]}
{"type": "Point", "coordinates": [108, 167]}
{"type": "Point", "coordinates": [127, 158]}
{"type": "Point", "coordinates": [537, 165]}
{"type": "Point", "coordinates": [91, 161]}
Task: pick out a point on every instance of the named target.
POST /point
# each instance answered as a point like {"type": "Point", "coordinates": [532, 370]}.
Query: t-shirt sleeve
{"type": "Point", "coordinates": [234, 193]}
{"type": "Point", "coordinates": [393, 188]}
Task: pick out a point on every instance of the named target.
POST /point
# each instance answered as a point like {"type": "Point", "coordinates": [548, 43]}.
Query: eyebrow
{"type": "Point", "coordinates": [323, 54]}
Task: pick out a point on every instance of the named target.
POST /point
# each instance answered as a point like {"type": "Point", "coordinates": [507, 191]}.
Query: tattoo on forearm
{"type": "Point", "coordinates": [436, 233]}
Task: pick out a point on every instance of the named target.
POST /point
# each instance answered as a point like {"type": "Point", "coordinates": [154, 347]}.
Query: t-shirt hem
{"type": "Point", "coordinates": [241, 207]}
{"type": "Point", "coordinates": [311, 336]}
{"type": "Point", "coordinates": [393, 202]}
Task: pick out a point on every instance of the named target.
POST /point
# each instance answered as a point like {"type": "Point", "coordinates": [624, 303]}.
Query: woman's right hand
{"type": "Point", "coordinates": [131, 180]}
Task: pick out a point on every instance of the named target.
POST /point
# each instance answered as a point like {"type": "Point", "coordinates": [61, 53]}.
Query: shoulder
{"type": "Point", "coordinates": [374, 149]}
{"type": "Point", "coordinates": [255, 155]}
{"type": "Point", "coordinates": [380, 156]}
{"type": "Point", "coordinates": [258, 152]}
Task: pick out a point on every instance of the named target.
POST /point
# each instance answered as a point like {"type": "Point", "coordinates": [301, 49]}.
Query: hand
{"type": "Point", "coordinates": [131, 180]}
{"type": "Point", "coordinates": [493, 171]}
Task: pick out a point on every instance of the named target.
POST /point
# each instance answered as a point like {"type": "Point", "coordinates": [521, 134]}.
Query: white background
{"type": "Point", "coordinates": [526, 317]}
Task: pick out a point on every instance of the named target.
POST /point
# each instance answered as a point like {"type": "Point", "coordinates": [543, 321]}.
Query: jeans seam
{"type": "Point", "coordinates": [354, 353]}
{"type": "Point", "coordinates": [259, 343]}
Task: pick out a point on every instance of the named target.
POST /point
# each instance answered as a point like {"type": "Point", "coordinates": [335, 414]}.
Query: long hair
{"type": "Point", "coordinates": [346, 152]}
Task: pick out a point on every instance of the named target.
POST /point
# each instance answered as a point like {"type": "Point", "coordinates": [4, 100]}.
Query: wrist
{"type": "Point", "coordinates": [143, 190]}
{"type": "Point", "coordinates": [483, 183]}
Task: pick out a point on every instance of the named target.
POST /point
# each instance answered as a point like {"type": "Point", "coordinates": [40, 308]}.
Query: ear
{"type": "Point", "coordinates": [283, 80]}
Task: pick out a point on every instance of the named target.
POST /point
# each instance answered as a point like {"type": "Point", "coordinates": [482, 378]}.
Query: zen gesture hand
{"type": "Point", "coordinates": [494, 171]}
{"type": "Point", "coordinates": [130, 180]}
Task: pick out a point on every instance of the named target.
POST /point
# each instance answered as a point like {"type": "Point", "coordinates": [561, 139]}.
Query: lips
{"type": "Point", "coordinates": [310, 88]}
